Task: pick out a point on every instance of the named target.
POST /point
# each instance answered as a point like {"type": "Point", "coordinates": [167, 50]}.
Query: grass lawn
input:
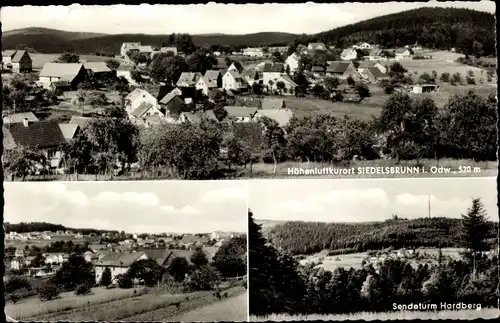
{"type": "Point", "coordinates": [111, 305]}
{"type": "Point", "coordinates": [486, 313]}
{"type": "Point", "coordinates": [450, 168]}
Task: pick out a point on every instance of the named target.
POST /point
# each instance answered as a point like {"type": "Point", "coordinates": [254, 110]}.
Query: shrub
{"type": "Point", "coordinates": [445, 77]}
{"type": "Point", "coordinates": [83, 289]}
{"type": "Point", "coordinates": [124, 281]}
{"type": "Point", "coordinates": [48, 291]}
{"type": "Point", "coordinates": [471, 80]}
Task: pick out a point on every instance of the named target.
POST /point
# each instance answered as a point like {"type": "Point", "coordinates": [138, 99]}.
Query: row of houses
{"type": "Point", "coordinates": [144, 49]}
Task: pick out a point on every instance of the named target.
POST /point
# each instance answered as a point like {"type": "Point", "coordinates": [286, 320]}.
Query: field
{"type": "Point", "coordinates": [485, 313]}
{"type": "Point", "coordinates": [41, 243]}
{"type": "Point", "coordinates": [113, 305]}
{"type": "Point", "coordinates": [354, 259]}
{"type": "Point", "coordinates": [487, 169]}
{"type": "Point", "coordinates": [40, 59]}
{"type": "Point", "coordinates": [227, 310]}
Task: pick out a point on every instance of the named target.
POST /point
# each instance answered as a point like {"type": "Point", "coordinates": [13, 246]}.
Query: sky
{"type": "Point", "coordinates": [134, 207]}
{"type": "Point", "coordinates": [211, 18]}
{"type": "Point", "coordinates": [369, 199]}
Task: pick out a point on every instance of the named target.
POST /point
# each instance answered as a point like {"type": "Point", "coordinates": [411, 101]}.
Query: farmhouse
{"type": "Point", "coordinates": [125, 72]}
{"type": "Point", "coordinates": [20, 117]}
{"type": "Point", "coordinates": [374, 75]}
{"type": "Point", "coordinates": [98, 69]}
{"type": "Point", "coordinates": [292, 62]}
{"type": "Point", "coordinates": [402, 53]}
{"type": "Point", "coordinates": [272, 72]}
{"type": "Point", "coordinates": [281, 116]}
{"type": "Point", "coordinates": [342, 70]}
{"type": "Point", "coordinates": [366, 64]}
{"type": "Point", "coordinates": [67, 74]}
{"type": "Point", "coordinates": [128, 47]}
{"type": "Point", "coordinates": [316, 46]}
{"type": "Point", "coordinates": [375, 54]}
{"type": "Point", "coordinates": [140, 102]}
{"type": "Point", "coordinates": [198, 116]}
{"type": "Point", "coordinates": [239, 114]}
{"type": "Point", "coordinates": [46, 136]}
{"type": "Point", "coordinates": [233, 80]}
{"type": "Point", "coordinates": [188, 80]}
{"type": "Point", "coordinates": [425, 88]}
{"type": "Point", "coordinates": [172, 105]}
{"type": "Point", "coordinates": [349, 54]}
{"type": "Point", "coordinates": [54, 258]}
{"type": "Point", "coordinates": [253, 52]}
{"type": "Point", "coordinates": [205, 84]}
{"type": "Point", "coordinates": [118, 263]}
{"type": "Point", "coordinates": [18, 61]}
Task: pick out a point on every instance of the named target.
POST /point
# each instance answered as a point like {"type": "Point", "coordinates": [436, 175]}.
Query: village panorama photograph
{"type": "Point", "coordinates": [130, 252]}
{"type": "Point", "coordinates": [378, 249]}
{"type": "Point", "coordinates": [98, 93]}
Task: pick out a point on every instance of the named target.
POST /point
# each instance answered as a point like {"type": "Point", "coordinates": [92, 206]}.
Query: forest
{"type": "Point", "coordinates": [305, 238]}
{"type": "Point", "coordinates": [279, 284]}
{"type": "Point", "coordinates": [438, 28]}
{"type": "Point", "coordinates": [24, 227]}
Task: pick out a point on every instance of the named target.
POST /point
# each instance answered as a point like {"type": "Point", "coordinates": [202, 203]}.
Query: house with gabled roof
{"type": "Point", "coordinates": [375, 54]}
{"type": "Point", "coordinates": [172, 105]}
{"type": "Point", "coordinates": [69, 131]}
{"type": "Point", "coordinates": [342, 70]}
{"type": "Point", "coordinates": [125, 71]}
{"type": "Point", "coordinates": [141, 102]}
{"type": "Point", "coordinates": [118, 263]}
{"type": "Point", "coordinates": [374, 75]}
{"type": "Point", "coordinates": [79, 120]}
{"type": "Point", "coordinates": [44, 136]}
{"type": "Point", "coordinates": [239, 114]}
{"type": "Point", "coordinates": [98, 69]}
{"type": "Point", "coordinates": [292, 62]}
{"type": "Point", "coordinates": [198, 116]}
{"type": "Point", "coordinates": [316, 46]}
{"type": "Point", "coordinates": [205, 84]}
{"type": "Point", "coordinates": [18, 61]}
{"type": "Point", "coordinates": [236, 66]}
{"type": "Point", "coordinates": [402, 53]}
{"type": "Point", "coordinates": [130, 46]}
{"type": "Point", "coordinates": [68, 74]}
{"type": "Point", "coordinates": [188, 79]}
{"type": "Point", "coordinates": [272, 72]}
{"type": "Point", "coordinates": [366, 64]}
{"type": "Point", "coordinates": [349, 54]}
{"type": "Point", "coordinates": [234, 81]}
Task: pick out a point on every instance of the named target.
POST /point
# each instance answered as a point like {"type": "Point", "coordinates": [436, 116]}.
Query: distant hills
{"type": "Point", "coordinates": [311, 237]}
{"type": "Point", "coordinates": [439, 28]}
{"type": "Point", "coordinates": [53, 41]}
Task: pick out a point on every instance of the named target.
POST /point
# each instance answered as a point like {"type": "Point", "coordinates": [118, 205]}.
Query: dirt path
{"type": "Point", "coordinates": [232, 309]}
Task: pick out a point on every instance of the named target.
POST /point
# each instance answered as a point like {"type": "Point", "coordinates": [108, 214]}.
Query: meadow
{"type": "Point", "coordinates": [40, 59]}
{"type": "Point", "coordinates": [114, 304]}
{"type": "Point", "coordinates": [21, 244]}
{"type": "Point", "coordinates": [354, 259]}
{"type": "Point", "coordinates": [485, 313]}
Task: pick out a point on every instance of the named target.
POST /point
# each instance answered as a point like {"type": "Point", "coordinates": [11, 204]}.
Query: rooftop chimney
{"type": "Point", "coordinates": [25, 122]}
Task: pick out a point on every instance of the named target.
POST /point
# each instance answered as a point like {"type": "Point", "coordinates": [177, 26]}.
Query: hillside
{"type": "Point", "coordinates": [43, 226]}
{"type": "Point", "coordinates": [51, 41]}
{"type": "Point", "coordinates": [440, 28]}
{"type": "Point", "coordinates": [311, 237]}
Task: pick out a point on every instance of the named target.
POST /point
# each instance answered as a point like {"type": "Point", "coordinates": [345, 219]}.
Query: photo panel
{"type": "Point", "coordinates": [254, 91]}
{"type": "Point", "coordinates": [376, 249]}
{"type": "Point", "coordinates": [128, 251]}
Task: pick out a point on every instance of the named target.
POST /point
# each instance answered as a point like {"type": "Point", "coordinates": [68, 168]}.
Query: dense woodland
{"type": "Point", "coordinates": [279, 284]}
{"type": "Point", "coordinates": [439, 28]}
{"type": "Point", "coordinates": [23, 227]}
{"type": "Point", "coordinates": [311, 237]}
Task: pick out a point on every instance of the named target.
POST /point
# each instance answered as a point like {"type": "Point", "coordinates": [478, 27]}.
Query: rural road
{"type": "Point", "coordinates": [232, 309]}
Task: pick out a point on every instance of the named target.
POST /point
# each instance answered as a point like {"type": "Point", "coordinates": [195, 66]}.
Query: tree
{"type": "Point", "coordinates": [331, 83]}
{"type": "Point", "coordinates": [257, 88]}
{"type": "Point", "coordinates": [230, 258]}
{"type": "Point", "coordinates": [68, 58]}
{"type": "Point", "coordinates": [475, 229]}
{"type": "Point", "coordinates": [350, 81]}
{"type": "Point", "coordinates": [147, 270]}
{"type": "Point", "coordinates": [178, 268]}
{"type": "Point", "coordinates": [124, 281]}
{"type": "Point", "coordinates": [287, 70]}
{"type": "Point", "coordinates": [199, 258]}
{"type": "Point", "coordinates": [165, 68]}
{"type": "Point", "coordinates": [201, 61]}
{"type": "Point", "coordinates": [204, 278]}
{"type": "Point", "coordinates": [106, 277]}
{"type": "Point", "coordinates": [21, 162]}
{"type": "Point", "coordinates": [83, 289]}
{"type": "Point", "coordinates": [445, 77]}
{"type": "Point", "coordinates": [397, 68]}
{"type": "Point", "coordinates": [15, 283]}
{"type": "Point", "coordinates": [48, 291]}
{"type": "Point", "coordinates": [280, 85]}
{"type": "Point", "coordinates": [477, 49]}
{"type": "Point", "coordinates": [456, 78]}
{"type": "Point", "coordinates": [363, 91]}
{"type": "Point", "coordinates": [426, 78]}
{"type": "Point", "coordinates": [273, 139]}
{"type": "Point", "coordinates": [76, 271]}
{"type": "Point", "coordinates": [112, 64]}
